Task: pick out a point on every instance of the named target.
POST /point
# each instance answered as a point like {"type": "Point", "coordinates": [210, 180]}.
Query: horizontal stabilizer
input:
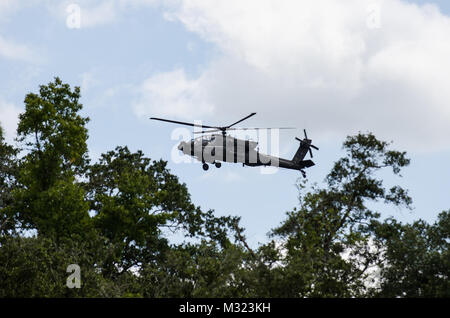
{"type": "Point", "coordinates": [306, 164]}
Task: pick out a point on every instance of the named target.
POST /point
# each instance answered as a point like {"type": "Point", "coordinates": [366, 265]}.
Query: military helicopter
{"type": "Point", "coordinates": [214, 146]}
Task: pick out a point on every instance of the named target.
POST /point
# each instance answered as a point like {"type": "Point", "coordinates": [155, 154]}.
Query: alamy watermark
{"type": "Point", "coordinates": [74, 279]}
{"type": "Point", "coordinates": [73, 20]}
{"type": "Point", "coordinates": [373, 19]}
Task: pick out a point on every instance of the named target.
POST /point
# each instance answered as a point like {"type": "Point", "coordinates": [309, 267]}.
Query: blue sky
{"type": "Point", "coordinates": [333, 68]}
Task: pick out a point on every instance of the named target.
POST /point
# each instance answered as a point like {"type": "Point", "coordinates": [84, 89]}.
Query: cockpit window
{"type": "Point", "coordinates": [207, 139]}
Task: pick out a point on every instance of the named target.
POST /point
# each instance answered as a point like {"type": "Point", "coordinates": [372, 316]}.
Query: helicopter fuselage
{"type": "Point", "coordinates": [218, 148]}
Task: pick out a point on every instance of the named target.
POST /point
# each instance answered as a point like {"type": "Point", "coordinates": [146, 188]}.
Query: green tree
{"type": "Point", "coordinates": [37, 267]}
{"type": "Point", "coordinates": [326, 247]}
{"type": "Point", "coordinates": [195, 270]}
{"type": "Point", "coordinates": [54, 133]}
{"type": "Point", "coordinates": [54, 136]}
{"type": "Point", "coordinates": [323, 248]}
{"type": "Point", "coordinates": [8, 173]}
{"type": "Point", "coordinates": [416, 258]}
{"type": "Point", "coordinates": [136, 200]}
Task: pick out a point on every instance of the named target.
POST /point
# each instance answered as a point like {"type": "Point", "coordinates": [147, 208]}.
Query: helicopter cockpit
{"type": "Point", "coordinates": [204, 140]}
{"type": "Point", "coordinates": [208, 138]}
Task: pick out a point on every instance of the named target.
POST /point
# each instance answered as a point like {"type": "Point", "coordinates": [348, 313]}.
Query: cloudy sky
{"type": "Point", "coordinates": [332, 67]}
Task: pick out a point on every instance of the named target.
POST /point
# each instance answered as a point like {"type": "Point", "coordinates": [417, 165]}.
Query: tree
{"type": "Point", "coordinates": [416, 258]}
{"type": "Point", "coordinates": [37, 267]}
{"type": "Point", "coordinates": [134, 202]}
{"type": "Point", "coordinates": [8, 173]}
{"type": "Point", "coordinates": [54, 132]}
{"type": "Point", "coordinates": [135, 199]}
{"type": "Point", "coordinates": [195, 270]}
{"type": "Point", "coordinates": [113, 219]}
{"type": "Point", "coordinates": [323, 248]}
{"type": "Point", "coordinates": [54, 135]}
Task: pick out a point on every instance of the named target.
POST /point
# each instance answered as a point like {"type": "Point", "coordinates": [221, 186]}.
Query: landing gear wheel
{"type": "Point", "coordinates": [205, 166]}
{"type": "Point", "coordinates": [218, 164]}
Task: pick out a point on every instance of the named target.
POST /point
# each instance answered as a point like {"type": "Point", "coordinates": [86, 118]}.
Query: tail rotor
{"type": "Point", "coordinates": [307, 142]}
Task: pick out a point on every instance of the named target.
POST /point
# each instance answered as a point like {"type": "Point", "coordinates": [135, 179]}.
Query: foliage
{"type": "Point", "coordinates": [202, 270]}
{"type": "Point", "coordinates": [324, 247]}
{"type": "Point", "coordinates": [37, 267]}
{"type": "Point", "coordinates": [113, 218]}
{"type": "Point", "coordinates": [135, 200]}
{"type": "Point", "coordinates": [54, 135]}
{"type": "Point", "coordinates": [416, 260]}
{"type": "Point", "coordinates": [8, 173]}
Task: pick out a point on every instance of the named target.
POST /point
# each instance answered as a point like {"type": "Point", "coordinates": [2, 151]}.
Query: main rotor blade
{"type": "Point", "coordinates": [182, 123]}
{"type": "Point", "coordinates": [243, 128]}
{"type": "Point", "coordinates": [241, 120]}
{"type": "Point", "coordinates": [207, 131]}
{"type": "Point", "coordinates": [306, 136]}
{"type": "Point", "coordinates": [312, 146]}
{"type": "Point", "coordinates": [256, 128]}
{"type": "Point", "coordinates": [310, 152]}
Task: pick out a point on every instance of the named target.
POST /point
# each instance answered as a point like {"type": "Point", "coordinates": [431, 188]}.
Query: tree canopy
{"type": "Point", "coordinates": [111, 218]}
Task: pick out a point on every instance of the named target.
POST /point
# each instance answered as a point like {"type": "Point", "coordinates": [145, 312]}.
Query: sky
{"type": "Point", "coordinates": [334, 68]}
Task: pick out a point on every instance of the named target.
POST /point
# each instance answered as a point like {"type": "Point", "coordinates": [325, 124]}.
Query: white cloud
{"type": "Point", "coordinates": [9, 6]}
{"type": "Point", "coordinates": [16, 51]}
{"type": "Point", "coordinates": [172, 94]}
{"type": "Point", "coordinates": [9, 117]}
{"type": "Point", "coordinates": [94, 13]}
{"type": "Point", "coordinates": [9, 48]}
{"type": "Point", "coordinates": [317, 65]}
{"type": "Point", "coordinates": [100, 14]}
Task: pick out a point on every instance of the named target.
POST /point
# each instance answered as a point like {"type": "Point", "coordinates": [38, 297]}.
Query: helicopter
{"type": "Point", "coordinates": [214, 146]}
